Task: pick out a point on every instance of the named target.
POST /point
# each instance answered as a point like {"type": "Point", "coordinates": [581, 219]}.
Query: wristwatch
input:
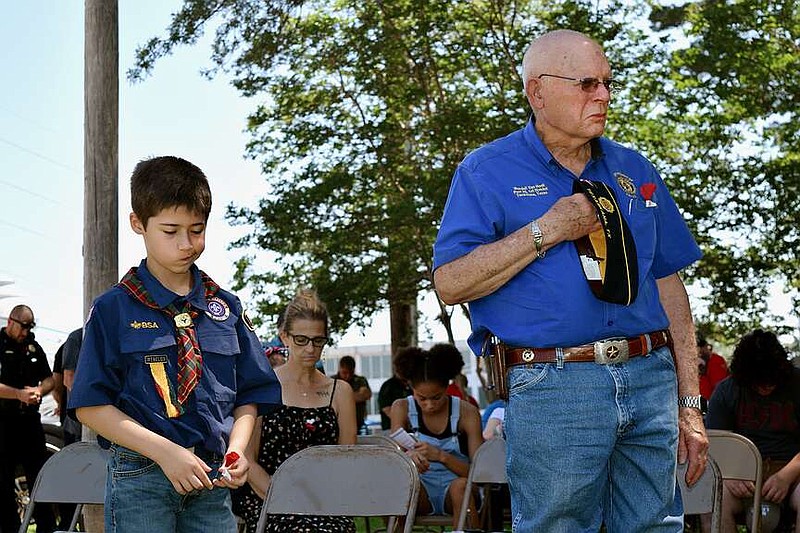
{"type": "Point", "coordinates": [695, 402]}
{"type": "Point", "coordinates": [538, 238]}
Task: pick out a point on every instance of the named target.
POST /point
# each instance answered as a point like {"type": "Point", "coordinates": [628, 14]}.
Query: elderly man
{"type": "Point", "coordinates": [567, 247]}
{"type": "Point", "coordinates": [25, 377]}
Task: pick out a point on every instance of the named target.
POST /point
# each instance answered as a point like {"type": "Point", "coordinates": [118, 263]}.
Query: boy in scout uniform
{"type": "Point", "coordinates": [171, 375]}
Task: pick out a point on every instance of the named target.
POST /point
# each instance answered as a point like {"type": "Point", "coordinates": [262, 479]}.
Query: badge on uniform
{"type": "Point", "coordinates": [247, 322]}
{"type": "Point", "coordinates": [158, 369]}
{"type": "Point", "coordinates": [647, 190]}
{"type": "Point", "coordinates": [183, 320]}
{"type": "Point", "coordinates": [218, 309]}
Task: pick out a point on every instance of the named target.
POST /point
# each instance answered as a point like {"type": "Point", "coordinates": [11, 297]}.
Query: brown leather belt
{"type": "Point", "coordinates": [605, 352]}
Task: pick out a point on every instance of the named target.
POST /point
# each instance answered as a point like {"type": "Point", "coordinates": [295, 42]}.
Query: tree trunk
{"type": "Point", "coordinates": [101, 162]}
{"type": "Point", "coordinates": [403, 318]}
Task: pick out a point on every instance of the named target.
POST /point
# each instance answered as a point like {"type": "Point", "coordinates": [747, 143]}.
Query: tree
{"type": "Point", "coordinates": [731, 93]}
{"type": "Point", "coordinates": [367, 109]}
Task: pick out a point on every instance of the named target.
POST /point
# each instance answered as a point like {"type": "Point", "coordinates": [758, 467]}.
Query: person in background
{"type": "Point", "coordinates": [276, 355]}
{"type": "Point", "coordinates": [460, 387]}
{"type": "Point", "coordinates": [25, 377]}
{"type": "Point", "coordinates": [761, 401]}
{"type": "Point", "coordinates": [361, 391]}
{"type": "Point", "coordinates": [712, 366]}
{"type": "Point", "coordinates": [568, 247]}
{"type": "Point", "coordinates": [448, 430]}
{"type": "Point", "coordinates": [494, 426]}
{"type": "Point", "coordinates": [70, 351]}
{"type": "Point", "coordinates": [317, 410]}
{"type": "Point", "coordinates": [171, 375]}
{"type": "Point", "coordinates": [392, 389]}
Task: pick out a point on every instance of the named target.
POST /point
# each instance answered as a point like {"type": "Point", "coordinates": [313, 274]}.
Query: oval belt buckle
{"type": "Point", "coordinates": [528, 355]}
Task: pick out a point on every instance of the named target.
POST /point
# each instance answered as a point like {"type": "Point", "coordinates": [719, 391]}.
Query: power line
{"type": "Point", "coordinates": [37, 154]}
{"type": "Point", "coordinates": [32, 193]}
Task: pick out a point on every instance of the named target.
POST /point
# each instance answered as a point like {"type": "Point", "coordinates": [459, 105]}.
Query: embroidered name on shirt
{"type": "Point", "coordinates": [155, 359]}
{"type": "Point", "coordinates": [539, 189]}
{"type": "Point", "coordinates": [136, 324]}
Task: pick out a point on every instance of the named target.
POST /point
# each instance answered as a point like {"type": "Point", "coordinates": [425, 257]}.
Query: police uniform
{"type": "Point", "coordinates": [22, 440]}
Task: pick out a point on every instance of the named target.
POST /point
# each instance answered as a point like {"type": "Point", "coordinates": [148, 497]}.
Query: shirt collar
{"type": "Point", "coordinates": [163, 296]}
{"type": "Point", "coordinates": [535, 142]}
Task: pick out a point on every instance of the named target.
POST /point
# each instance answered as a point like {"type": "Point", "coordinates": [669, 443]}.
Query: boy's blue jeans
{"type": "Point", "coordinates": [590, 443]}
{"type": "Point", "coordinates": [139, 498]}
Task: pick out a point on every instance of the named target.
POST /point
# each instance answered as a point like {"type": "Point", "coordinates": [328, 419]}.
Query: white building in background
{"type": "Point", "coordinates": [374, 362]}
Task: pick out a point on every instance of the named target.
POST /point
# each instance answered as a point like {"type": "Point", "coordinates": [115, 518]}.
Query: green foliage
{"type": "Point", "coordinates": [365, 108]}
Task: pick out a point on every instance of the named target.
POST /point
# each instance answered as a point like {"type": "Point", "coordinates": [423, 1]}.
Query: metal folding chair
{"type": "Point", "coordinates": [377, 440]}
{"type": "Point", "coordinates": [339, 480]}
{"type": "Point", "coordinates": [705, 496]}
{"type": "Point", "coordinates": [488, 466]}
{"type": "Point", "coordinates": [76, 474]}
{"type": "Point", "coordinates": [738, 458]}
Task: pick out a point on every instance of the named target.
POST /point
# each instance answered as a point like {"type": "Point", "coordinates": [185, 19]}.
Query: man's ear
{"type": "Point", "coordinates": [533, 90]}
{"type": "Point", "coordinates": [136, 224]}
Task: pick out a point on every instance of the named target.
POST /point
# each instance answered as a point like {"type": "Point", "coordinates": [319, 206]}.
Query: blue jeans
{"type": "Point", "coordinates": [591, 443]}
{"type": "Point", "coordinates": [139, 497]}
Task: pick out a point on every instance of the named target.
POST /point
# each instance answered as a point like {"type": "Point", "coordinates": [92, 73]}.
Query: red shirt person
{"type": "Point", "coordinates": [713, 367]}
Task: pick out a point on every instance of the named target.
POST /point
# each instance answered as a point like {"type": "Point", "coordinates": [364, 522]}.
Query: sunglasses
{"type": "Point", "coordinates": [302, 340]}
{"type": "Point", "coordinates": [587, 85]}
{"type": "Point", "coordinates": [24, 325]}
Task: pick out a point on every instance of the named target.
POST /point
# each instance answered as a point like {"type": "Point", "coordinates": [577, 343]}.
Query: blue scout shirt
{"type": "Point", "coordinates": [502, 186]}
{"type": "Point", "coordinates": [122, 335]}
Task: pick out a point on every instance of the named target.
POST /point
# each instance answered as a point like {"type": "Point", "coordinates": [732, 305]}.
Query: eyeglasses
{"type": "Point", "coordinates": [587, 85]}
{"type": "Point", "coordinates": [302, 340]}
{"type": "Point", "coordinates": [24, 325]}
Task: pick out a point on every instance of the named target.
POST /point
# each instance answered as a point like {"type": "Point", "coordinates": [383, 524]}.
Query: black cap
{"type": "Point", "coordinates": [608, 255]}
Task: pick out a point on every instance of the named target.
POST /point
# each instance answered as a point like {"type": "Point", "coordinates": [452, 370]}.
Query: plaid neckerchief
{"type": "Point", "coordinates": [190, 360]}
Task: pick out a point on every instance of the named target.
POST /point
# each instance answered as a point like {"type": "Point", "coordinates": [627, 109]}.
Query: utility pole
{"type": "Point", "coordinates": [101, 162]}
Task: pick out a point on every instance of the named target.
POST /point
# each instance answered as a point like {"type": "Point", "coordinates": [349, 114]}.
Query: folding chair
{"type": "Point", "coordinates": [705, 496]}
{"type": "Point", "coordinates": [76, 474]}
{"type": "Point", "coordinates": [344, 480]}
{"type": "Point", "coordinates": [488, 466]}
{"type": "Point", "coordinates": [738, 458]}
{"type": "Point", "coordinates": [377, 440]}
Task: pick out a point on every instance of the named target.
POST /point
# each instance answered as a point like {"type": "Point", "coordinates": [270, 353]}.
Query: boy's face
{"type": "Point", "coordinates": [174, 239]}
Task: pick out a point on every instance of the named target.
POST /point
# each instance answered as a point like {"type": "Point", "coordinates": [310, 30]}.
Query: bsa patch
{"type": "Point", "coordinates": [247, 322]}
{"type": "Point", "coordinates": [143, 324]}
{"type": "Point", "coordinates": [218, 309]}
{"type": "Point", "coordinates": [605, 204]}
{"type": "Point", "coordinates": [626, 184]}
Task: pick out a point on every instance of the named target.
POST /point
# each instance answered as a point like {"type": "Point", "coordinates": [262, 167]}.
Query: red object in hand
{"type": "Point", "coordinates": [231, 458]}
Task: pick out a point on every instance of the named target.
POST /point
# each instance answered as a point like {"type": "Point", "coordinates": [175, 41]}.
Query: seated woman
{"type": "Point", "coordinates": [316, 410]}
{"type": "Point", "coordinates": [448, 430]}
{"type": "Point", "coordinates": [761, 400]}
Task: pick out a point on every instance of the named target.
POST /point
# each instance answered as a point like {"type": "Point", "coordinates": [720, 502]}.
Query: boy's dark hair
{"type": "Point", "coordinates": [440, 364]}
{"type": "Point", "coordinates": [347, 362]}
{"type": "Point", "coordinates": [759, 359]}
{"type": "Point", "coordinates": [166, 182]}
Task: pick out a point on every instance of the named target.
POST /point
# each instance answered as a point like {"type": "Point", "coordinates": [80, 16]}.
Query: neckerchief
{"type": "Point", "coordinates": [190, 360]}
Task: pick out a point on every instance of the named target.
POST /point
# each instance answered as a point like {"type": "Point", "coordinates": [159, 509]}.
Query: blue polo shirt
{"type": "Point", "coordinates": [122, 334]}
{"type": "Point", "coordinates": [502, 186]}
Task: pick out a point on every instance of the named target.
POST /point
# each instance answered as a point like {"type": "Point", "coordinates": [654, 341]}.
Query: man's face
{"type": "Point", "coordinates": [345, 373]}
{"type": "Point", "coordinates": [566, 111]}
{"type": "Point", "coordinates": [19, 326]}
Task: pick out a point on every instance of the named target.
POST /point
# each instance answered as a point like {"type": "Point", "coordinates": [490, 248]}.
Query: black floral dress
{"type": "Point", "coordinates": [284, 432]}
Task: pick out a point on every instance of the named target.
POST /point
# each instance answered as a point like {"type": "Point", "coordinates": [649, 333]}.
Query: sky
{"type": "Point", "coordinates": [175, 111]}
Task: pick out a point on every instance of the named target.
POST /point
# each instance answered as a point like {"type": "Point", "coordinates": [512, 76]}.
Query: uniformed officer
{"type": "Point", "coordinates": [25, 377]}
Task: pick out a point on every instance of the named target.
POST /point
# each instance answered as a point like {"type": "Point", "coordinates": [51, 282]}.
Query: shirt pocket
{"type": "Point", "coordinates": [219, 362]}
{"type": "Point", "coordinates": [642, 223]}
{"type": "Point", "coordinates": [142, 354]}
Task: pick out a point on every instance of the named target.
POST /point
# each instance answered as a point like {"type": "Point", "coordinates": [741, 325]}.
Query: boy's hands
{"type": "Point", "coordinates": [186, 471]}
{"type": "Point", "coordinates": [233, 473]}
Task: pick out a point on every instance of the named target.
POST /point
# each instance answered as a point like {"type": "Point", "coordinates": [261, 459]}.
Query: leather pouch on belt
{"type": "Point", "coordinates": [608, 255]}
